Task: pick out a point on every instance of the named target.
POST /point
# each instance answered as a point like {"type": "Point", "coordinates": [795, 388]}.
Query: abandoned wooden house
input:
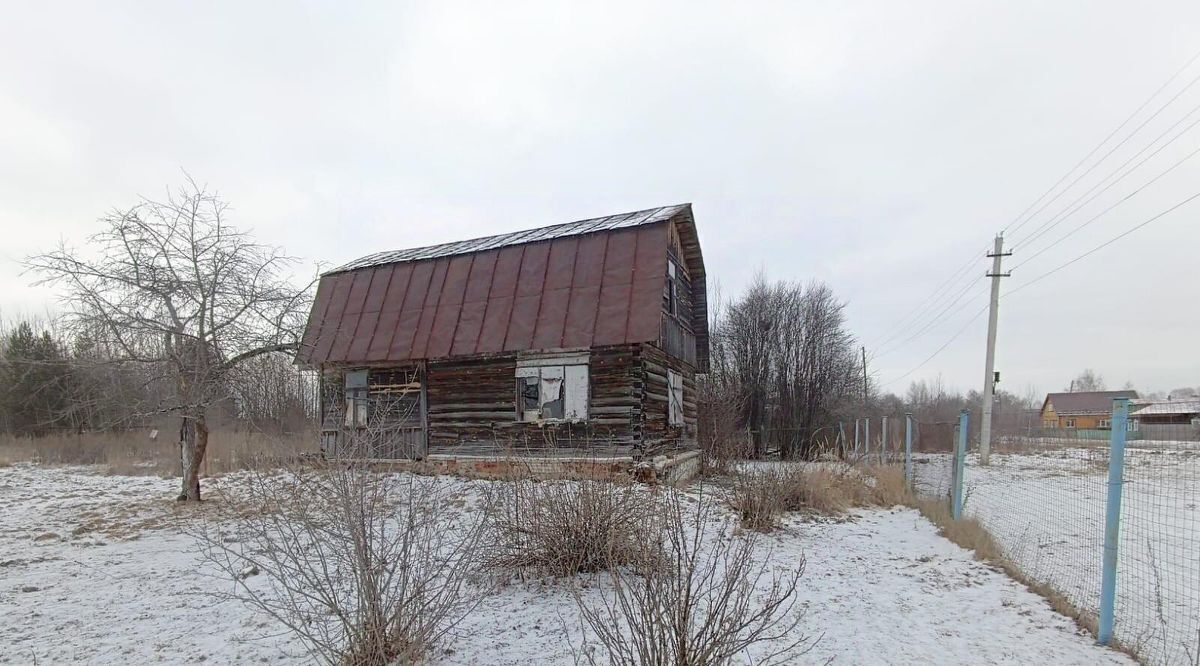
{"type": "Point", "coordinates": [574, 339]}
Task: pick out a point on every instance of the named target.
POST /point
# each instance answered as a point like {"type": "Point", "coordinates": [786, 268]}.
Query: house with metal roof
{"type": "Point", "coordinates": [1080, 410]}
{"type": "Point", "coordinates": [578, 337]}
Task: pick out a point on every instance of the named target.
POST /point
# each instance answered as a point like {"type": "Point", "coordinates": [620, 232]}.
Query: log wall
{"type": "Point", "coordinates": [657, 433]}
{"type": "Point", "coordinates": [472, 406]}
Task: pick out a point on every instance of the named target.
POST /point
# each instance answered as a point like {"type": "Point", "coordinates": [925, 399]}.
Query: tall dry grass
{"type": "Point", "coordinates": [134, 453]}
{"type": "Point", "coordinates": [761, 497]}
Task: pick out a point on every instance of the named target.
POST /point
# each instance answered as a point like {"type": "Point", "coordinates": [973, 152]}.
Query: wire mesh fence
{"type": "Point", "coordinates": [1157, 610]}
{"type": "Point", "coordinates": [1047, 497]}
{"type": "Point", "coordinates": [933, 459]}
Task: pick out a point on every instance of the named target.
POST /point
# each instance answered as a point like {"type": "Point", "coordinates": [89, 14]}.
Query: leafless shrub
{"type": "Point", "coordinates": [706, 600]}
{"type": "Point", "coordinates": [364, 567]}
{"type": "Point", "coordinates": [560, 528]}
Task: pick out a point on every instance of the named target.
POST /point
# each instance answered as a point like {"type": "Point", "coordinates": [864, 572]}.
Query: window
{"type": "Point", "coordinates": [670, 293]}
{"type": "Point", "coordinates": [552, 389]}
{"type": "Point", "coordinates": [675, 396]}
{"type": "Point", "coordinates": [1050, 423]}
{"type": "Point", "coordinates": [1104, 423]}
{"type": "Point", "coordinates": [356, 399]}
{"type": "Point", "coordinates": [1070, 423]}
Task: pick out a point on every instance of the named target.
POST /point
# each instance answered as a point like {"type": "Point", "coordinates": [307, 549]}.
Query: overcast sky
{"type": "Point", "coordinates": [876, 146]}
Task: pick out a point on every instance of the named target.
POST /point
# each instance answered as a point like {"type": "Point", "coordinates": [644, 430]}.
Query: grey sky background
{"type": "Point", "coordinates": [875, 146]}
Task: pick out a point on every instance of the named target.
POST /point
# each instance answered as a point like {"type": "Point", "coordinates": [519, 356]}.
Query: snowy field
{"type": "Point", "coordinates": [1047, 510]}
{"type": "Point", "coordinates": [95, 569]}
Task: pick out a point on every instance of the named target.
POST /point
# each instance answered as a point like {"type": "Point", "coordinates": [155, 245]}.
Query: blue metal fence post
{"type": "Point", "coordinates": [908, 470]}
{"type": "Point", "coordinates": [960, 455]}
{"type": "Point", "coordinates": [1112, 517]}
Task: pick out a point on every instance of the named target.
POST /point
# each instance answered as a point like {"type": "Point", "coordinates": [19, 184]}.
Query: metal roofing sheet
{"type": "Point", "coordinates": [566, 290]}
{"type": "Point", "coordinates": [607, 223]}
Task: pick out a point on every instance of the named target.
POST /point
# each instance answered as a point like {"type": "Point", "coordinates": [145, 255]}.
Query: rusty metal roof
{"type": "Point", "coordinates": [583, 284]}
{"type": "Point", "coordinates": [607, 223]}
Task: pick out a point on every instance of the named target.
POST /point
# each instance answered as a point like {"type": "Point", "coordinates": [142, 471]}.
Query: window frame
{"type": "Point", "coordinates": [573, 373]}
{"type": "Point", "coordinates": [1068, 423]}
{"type": "Point", "coordinates": [674, 403]}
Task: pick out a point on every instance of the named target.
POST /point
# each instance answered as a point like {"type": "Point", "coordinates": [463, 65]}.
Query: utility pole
{"type": "Point", "coordinates": [864, 353]}
{"type": "Point", "coordinates": [989, 371]}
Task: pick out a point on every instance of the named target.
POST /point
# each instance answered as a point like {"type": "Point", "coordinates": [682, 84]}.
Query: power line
{"type": "Point", "coordinates": [1106, 139]}
{"type": "Point", "coordinates": [946, 312]}
{"type": "Point", "coordinates": [1107, 210]}
{"type": "Point", "coordinates": [1068, 211]}
{"type": "Point", "coordinates": [1103, 245]}
{"type": "Point", "coordinates": [927, 305]}
{"type": "Point", "coordinates": [939, 349]}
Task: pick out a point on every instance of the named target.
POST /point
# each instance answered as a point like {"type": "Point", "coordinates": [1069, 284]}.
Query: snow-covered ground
{"type": "Point", "coordinates": [95, 569]}
{"type": "Point", "coordinates": [1047, 509]}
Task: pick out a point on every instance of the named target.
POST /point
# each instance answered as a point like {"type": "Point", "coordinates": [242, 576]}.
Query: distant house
{"type": "Point", "coordinates": [573, 338]}
{"type": "Point", "coordinates": [1084, 410]}
{"type": "Point", "coordinates": [1167, 412]}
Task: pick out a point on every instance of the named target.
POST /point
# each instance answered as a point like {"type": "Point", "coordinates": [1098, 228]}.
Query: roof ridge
{"type": "Point", "coordinates": [531, 235]}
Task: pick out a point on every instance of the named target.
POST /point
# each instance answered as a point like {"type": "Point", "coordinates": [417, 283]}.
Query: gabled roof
{"type": "Point", "coordinates": [1085, 402]}
{"type": "Point", "coordinates": [582, 284]}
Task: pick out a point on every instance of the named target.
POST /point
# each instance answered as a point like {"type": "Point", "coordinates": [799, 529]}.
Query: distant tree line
{"type": "Point", "coordinates": [56, 381]}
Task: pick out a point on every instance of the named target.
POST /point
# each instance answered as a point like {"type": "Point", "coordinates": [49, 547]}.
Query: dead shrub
{"type": "Point", "coordinates": [888, 487]}
{"type": "Point", "coordinates": [560, 528]}
{"type": "Point", "coordinates": [710, 598]}
{"type": "Point", "coordinates": [366, 568]}
{"type": "Point", "coordinates": [761, 496]}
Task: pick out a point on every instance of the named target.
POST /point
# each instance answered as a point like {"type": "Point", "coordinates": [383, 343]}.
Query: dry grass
{"type": "Point", "coordinates": [134, 453]}
{"type": "Point", "coordinates": [970, 534]}
{"type": "Point", "coordinates": [761, 497]}
{"type": "Point", "coordinates": [560, 528]}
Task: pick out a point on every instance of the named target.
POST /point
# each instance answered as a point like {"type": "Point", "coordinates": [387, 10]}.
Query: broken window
{"type": "Point", "coordinates": [552, 392]}
{"type": "Point", "coordinates": [356, 399]}
{"type": "Point", "coordinates": [675, 397]}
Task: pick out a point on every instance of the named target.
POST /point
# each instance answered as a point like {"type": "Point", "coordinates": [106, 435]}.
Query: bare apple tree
{"type": "Point", "coordinates": [172, 287]}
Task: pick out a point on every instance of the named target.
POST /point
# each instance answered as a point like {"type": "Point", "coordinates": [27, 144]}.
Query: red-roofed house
{"type": "Point", "coordinates": [583, 336]}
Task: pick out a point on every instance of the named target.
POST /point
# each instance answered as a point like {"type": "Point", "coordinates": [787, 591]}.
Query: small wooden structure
{"type": "Point", "coordinates": [575, 339]}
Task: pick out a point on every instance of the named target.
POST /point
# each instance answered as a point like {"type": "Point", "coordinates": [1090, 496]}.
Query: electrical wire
{"type": "Point", "coordinates": [1103, 245]}
{"type": "Point", "coordinates": [1072, 208]}
{"type": "Point", "coordinates": [1106, 139]}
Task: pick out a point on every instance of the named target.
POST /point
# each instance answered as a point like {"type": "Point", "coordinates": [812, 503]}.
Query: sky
{"type": "Point", "coordinates": [875, 146]}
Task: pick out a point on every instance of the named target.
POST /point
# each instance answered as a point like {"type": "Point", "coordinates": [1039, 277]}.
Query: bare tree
{"type": "Point", "coordinates": [173, 287]}
{"type": "Point", "coordinates": [705, 598]}
{"type": "Point", "coordinates": [783, 353]}
{"type": "Point", "coordinates": [1088, 380]}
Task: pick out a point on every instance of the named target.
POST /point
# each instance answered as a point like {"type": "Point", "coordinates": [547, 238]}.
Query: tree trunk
{"type": "Point", "coordinates": [193, 442]}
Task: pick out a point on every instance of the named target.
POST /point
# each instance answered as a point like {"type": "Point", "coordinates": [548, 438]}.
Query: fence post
{"type": "Point", "coordinates": [908, 470]}
{"type": "Point", "coordinates": [960, 455]}
{"type": "Point", "coordinates": [856, 436]}
{"type": "Point", "coordinates": [842, 439]}
{"type": "Point", "coordinates": [883, 442]}
{"type": "Point", "coordinates": [867, 438]}
{"type": "Point", "coordinates": [1112, 517]}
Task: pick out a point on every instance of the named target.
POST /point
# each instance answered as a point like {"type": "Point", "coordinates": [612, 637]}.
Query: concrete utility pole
{"type": "Point", "coordinates": [989, 371]}
{"type": "Point", "coordinates": [864, 353]}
